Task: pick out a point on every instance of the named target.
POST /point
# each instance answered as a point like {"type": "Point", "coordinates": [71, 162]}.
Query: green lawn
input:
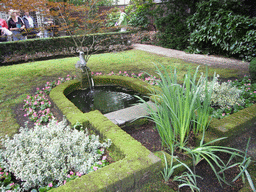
{"type": "Point", "coordinates": [17, 81]}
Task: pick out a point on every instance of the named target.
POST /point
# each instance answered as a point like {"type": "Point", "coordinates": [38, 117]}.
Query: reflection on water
{"type": "Point", "coordinates": [104, 98]}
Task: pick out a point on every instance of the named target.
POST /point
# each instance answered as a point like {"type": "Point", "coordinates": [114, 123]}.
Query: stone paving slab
{"type": "Point", "coordinates": [129, 114]}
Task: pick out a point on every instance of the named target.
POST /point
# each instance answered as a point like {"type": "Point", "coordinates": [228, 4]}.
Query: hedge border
{"type": "Point", "coordinates": [61, 46]}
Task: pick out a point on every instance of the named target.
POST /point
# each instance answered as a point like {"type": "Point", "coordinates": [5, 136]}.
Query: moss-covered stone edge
{"type": "Point", "coordinates": [136, 164]}
{"type": "Point", "coordinates": [231, 126]}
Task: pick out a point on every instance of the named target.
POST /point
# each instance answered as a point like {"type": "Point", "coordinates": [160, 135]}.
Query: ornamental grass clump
{"type": "Point", "coordinates": [179, 108]}
{"type": "Point", "coordinates": [47, 154]}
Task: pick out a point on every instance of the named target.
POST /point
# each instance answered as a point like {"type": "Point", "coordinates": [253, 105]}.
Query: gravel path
{"type": "Point", "coordinates": [212, 61]}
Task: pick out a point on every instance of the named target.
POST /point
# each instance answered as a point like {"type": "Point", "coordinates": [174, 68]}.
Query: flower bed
{"type": "Point", "coordinates": [31, 176]}
{"type": "Point", "coordinates": [231, 96]}
{"type": "Point", "coordinates": [49, 156]}
{"type": "Point", "coordinates": [152, 80]}
{"type": "Point", "coordinates": [37, 107]}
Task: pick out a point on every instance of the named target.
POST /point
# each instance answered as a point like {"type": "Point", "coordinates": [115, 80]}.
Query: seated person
{"type": "Point", "coordinates": [30, 25]}
{"type": "Point", "coordinates": [48, 24]}
{"type": "Point", "coordinates": [16, 26]}
{"type": "Point", "coordinates": [4, 30]}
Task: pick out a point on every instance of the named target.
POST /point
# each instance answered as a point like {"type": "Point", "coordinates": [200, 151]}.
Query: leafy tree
{"type": "Point", "coordinates": [141, 14]}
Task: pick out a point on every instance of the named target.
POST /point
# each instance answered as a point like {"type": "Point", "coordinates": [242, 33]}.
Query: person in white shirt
{"type": "Point", "coordinates": [31, 25]}
{"type": "Point", "coordinates": [122, 22]}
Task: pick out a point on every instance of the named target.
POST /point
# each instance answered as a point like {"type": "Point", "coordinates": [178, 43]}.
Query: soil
{"type": "Point", "coordinates": [148, 136]}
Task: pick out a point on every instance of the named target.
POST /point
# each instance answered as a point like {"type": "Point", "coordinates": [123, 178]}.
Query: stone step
{"type": "Point", "coordinates": [129, 114]}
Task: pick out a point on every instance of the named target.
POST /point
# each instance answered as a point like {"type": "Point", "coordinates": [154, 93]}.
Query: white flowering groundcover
{"type": "Point", "coordinates": [46, 154]}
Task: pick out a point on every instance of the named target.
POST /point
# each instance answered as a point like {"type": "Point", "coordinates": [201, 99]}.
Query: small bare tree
{"type": "Point", "coordinates": [78, 20]}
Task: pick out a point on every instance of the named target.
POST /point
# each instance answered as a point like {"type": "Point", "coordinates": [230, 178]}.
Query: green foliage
{"type": "Point", "coordinates": [243, 168]}
{"type": "Point", "coordinates": [218, 27]}
{"type": "Point", "coordinates": [179, 107]}
{"type": "Point", "coordinates": [173, 32]}
{"type": "Point", "coordinates": [169, 170]}
{"type": "Point", "coordinates": [186, 178]}
{"type": "Point", "coordinates": [112, 17]}
{"type": "Point", "coordinates": [139, 14]}
{"type": "Point", "coordinates": [207, 152]}
{"type": "Point", "coordinates": [171, 22]}
{"type": "Point", "coordinates": [252, 69]}
{"type": "Point", "coordinates": [6, 182]}
{"type": "Point", "coordinates": [46, 154]}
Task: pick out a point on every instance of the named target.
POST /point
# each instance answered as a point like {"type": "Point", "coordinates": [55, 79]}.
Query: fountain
{"type": "Point", "coordinates": [83, 72]}
{"type": "Point", "coordinates": [103, 98]}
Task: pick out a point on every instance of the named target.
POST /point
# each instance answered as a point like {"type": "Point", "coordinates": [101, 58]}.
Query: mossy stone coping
{"type": "Point", "coordinates": [231, 126]}
{"type": "Point", "coordinates": [134, 163]}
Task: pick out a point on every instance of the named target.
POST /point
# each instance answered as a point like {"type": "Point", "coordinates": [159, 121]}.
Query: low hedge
{"type": "Point", "coordinates": [16, 51]}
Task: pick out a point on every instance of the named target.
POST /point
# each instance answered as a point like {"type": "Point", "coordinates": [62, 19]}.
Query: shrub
{"type": "Point", "coordinates": [218, 27]}
{"type": "Point", "coordinates": [252, 70]}
{"type": "Point", "coordinates": [139, 14]}
{"type": "Point", "coordinates": [146, 37]}
{"type": "Point", "coordinates": [112, 17]}
{"type": "Point", "coordinates": [174, 35]}
{"type": "Point", "coordinates": [224, 95]}
{"type": "Point", "coordinates": [46, 154]}
{"type": "Point", "coordinates": [171, 23]}
{"type": "Point", "coordinates": [16, 51]}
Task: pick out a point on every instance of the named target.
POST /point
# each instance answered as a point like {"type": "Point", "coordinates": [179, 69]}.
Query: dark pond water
{"type": "Point", "coordinates": [106, 99]}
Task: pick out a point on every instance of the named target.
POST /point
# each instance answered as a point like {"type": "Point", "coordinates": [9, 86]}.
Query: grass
{"type": "Point", "coordinates": [18, 81]}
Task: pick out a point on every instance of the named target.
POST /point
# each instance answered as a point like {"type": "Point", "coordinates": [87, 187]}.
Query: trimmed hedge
{"type": "Point", "coordinates": [62, 46]}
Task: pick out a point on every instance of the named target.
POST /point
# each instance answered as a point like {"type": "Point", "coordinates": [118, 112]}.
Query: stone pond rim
{"type": "Point", "coordinates": [134, 164]}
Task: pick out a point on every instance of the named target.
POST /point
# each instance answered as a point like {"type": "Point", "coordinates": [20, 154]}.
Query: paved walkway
{"type": "Point", "coordinates": [212, 61]}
